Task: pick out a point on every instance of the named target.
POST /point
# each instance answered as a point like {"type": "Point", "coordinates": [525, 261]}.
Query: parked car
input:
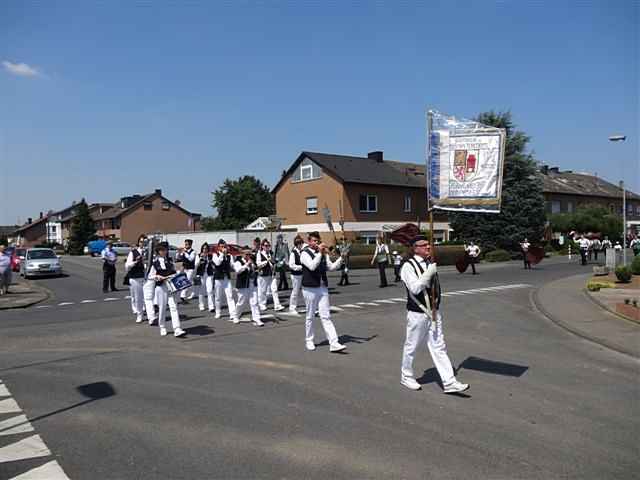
{"type": "Point", "coordinates": [17, 257]}
{"type": "Point", "coordinates": [121, 248]}
{"type": "Point", "coordinates": [95, 247]}
{"type": "Point", "coordinates": [40, 261]}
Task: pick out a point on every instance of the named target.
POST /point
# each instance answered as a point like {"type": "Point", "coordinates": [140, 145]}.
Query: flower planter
{"type": "Point", "coordinates": [628, 311]}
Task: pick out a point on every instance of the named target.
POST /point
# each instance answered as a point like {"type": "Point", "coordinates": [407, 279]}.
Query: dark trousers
{"type": "Point", "coordinates": [396, 270]}
{"type": "Point", "coordinates": [282, 280]}
{"type": "Point", "coordinates": [583, 256]}
{"type": "Point", "coordinates": [595, 255]}
{"type": "Point", "coordinates": [344, 278]}
{"type": "Point", "coordinates": [108, 277]}
{"type": "Point", "coordinates": [472, 262]}
{"type": "Point", "coordinates": [527, 263]}
{"type": "Point", "coordinates": [383, 274]}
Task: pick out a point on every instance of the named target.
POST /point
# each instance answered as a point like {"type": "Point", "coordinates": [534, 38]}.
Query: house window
{"type": "Point", "coordinates": [555, 206]}
{"type": "Point", "coordinates": [306, 172]}
{"type": "Point", "coordinates": [570, 207]}
{"type": "Point", "coordinates": [638, 209]}
{"type": "Point", "coordinates": [368, 203]}
{"type": "Point", "coordinates": [53, 229]}
{"type": "Point", "coordinates": [312, 205]}
{"type": "Point", "coordinates": [368, 238]}
{"type": "Point", "coordinates": [629, 208]}
{"type": "Point", "coordinates": [166, 205]}
{"type": "Point", "coordinates": [148, 206]}
{"type": "Point", "coordinates": [407, 203]}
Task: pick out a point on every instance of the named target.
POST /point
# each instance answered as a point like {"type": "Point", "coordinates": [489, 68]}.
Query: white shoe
{"type": "Point", "coordinates": [163, 332]}
{"type": "Point", "coordinates": [410, 383]}
{"type": "Point", "coordinates": [236, 320]}
{"type": "Point", "coordinates": [258, 323]}
{"type": "Point", "coordinates": [139, 319]}
{"type": "Point", "coordinates": [311, 346]}
{"type": "Point", "coordinates": [191, 297]}
{"type": "Point", "coordinates": [263, 309]}
{"type": "Point", "coordinates": [456, 387]}
{"type": "Point", "coordinates": [278, 308]}
{"type": "Point", "coordinates": [336, 347]}
{"type": "Point", "coordinates": [217, 316]}
{"type": "Point", "coordinates": [179, 332]}
{"type": "Point", "coordinates": [201, 308]}
{"type": "Point", "coordinates": [293, 312]}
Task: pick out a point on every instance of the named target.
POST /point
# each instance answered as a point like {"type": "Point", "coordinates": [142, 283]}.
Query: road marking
{"type": "Point", "coordinates": [110, 299]}
{"type": "Point", "coordinates": [88, 301]}
{"type": "Point", "coordinates": [385, 301]}
{"type": "Point", "coordinates": [48, 471]}
{"type": "Point", "coordinates": [17, 424]}
{"type": "Point", "coordinates": [350, 305]}
{"type": "Point", "coordinates": [129, 296]}
{"type": "Point", "coordinates": [44, 306]}
{"type": "Point", "coordinates": [9, 405]}
{"type": "Point", "coordinates": [4, 392]}
{"type": "Point", "coordinates": [335, 309]}
{"type": "Point", "coordinates": [65, 303]}
{"type": "Point", "coordinates": [398, 299]}
{"type": "Point", "coordinates": [30, 447]}
{"type": "Point", "coordinates": [369, 304]}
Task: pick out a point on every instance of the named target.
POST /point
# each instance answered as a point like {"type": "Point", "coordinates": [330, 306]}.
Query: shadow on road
{"type": "Point", "coordinates": [491, 366]}
{"type": "Point", "coordinates": [200, 330]}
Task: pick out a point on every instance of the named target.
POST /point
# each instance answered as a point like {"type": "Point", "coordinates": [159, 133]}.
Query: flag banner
{"type": "Point", "coordinates": [465, 160]}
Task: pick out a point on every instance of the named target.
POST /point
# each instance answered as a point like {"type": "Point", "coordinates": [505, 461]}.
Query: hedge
{"type": "Point", "coordinates": [635, 265]}
{"type": "Point", "coordinates": [623, 274]}
{"type": "Point", "coordinates": [497, 256]}
{"type": "Point", "coordinates": [445, 255]}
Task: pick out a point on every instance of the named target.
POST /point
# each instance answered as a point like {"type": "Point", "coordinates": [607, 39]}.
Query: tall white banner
{"type": "Point", "coordinates": [465, 161]}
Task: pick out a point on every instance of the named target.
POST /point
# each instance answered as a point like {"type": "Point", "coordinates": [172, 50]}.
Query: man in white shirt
{"type": "Point", "coordinates": [315, 289]}
{"type": "Point", "coordinates": [420, 277]}
{"type": "Point", "coordinates": [295, 265]}
{"type": "Point", "coordinates": [110, 258]}
{"type": "Point", "coordinates": [267, 277]}
{"type": "Point", "coordinates": [584, 245]}
{"type": "Point", "coordinates": [187, 256]}
{"type": "Point", "coordinates": [135, 272]}
{"type": "Point", "coordinates": [473, 252]}
{"type": "Point", "coordinates": [524, 246]}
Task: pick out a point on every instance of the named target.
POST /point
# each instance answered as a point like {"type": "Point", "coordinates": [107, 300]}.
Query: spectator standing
{"type": "Point", "coordinates": [5, 271]}
{"type": "Point", "coordinates": [110, 258]}
{"type": "Point", "coordinates": [381, 259]}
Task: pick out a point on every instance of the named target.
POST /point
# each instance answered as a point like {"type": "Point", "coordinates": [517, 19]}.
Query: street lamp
{"type": "Point", "coordinates": [622, 138]}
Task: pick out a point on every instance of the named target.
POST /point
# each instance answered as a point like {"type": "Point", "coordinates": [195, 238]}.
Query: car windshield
{"type": "Point", "coordinates": [40, 254]}
{"type": "Point", "coordinates": [21, 252]}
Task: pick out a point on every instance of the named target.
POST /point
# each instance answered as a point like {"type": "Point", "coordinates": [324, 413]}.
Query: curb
{"type": "Point", "coordinates": [605, 307]}
{"type": "Point", "coordinates": [45, 294]}
{"type": "Point", "coordinates": [535, 301]}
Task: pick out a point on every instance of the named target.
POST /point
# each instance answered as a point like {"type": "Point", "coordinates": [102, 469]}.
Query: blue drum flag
{"type": "Point", "coordinates": [465, 160]}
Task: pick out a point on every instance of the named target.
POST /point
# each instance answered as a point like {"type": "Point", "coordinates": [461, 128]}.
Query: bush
{"type": "Point", "coordinates": [623, 274]}
{"type": "Point", "coordinates": [498, 255]}
{"type": "Point", "coordinates": [595, 285]}
{"type": "Point", "coordinates": [635, 265]}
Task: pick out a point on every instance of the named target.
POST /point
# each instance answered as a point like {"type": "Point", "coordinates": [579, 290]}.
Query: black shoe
{"type": "Point", "coordinates": [184, 301]}
{"type": "Point", "coordinates": [105, 291]}
{"type": "Point", "coordinates": [114, 289]}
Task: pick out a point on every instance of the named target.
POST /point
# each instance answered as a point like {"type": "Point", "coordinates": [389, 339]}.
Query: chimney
{"type": "Point", "coordinates": [554, 169]}
{"type": "Point", "coordinates": [544, 169]}
{"type": "Point", "coordinates": [158, 191]}
{"type": "Point", "coordinates": [41, 215]}
{"type": "Point", "coordinates": [29, 220]}
{"type": "Point", "coordinates": [177, 202]}
{"type": "Point", "coordinates": [377, 156]}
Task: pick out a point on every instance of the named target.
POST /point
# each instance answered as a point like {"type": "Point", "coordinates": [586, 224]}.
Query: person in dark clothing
{"type": "Point", "coordinates": [110, 259]}
{"type": "Point", "coordinates": [381, 259]}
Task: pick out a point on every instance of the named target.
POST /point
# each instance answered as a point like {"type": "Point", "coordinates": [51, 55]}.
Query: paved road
{"type": "Point", "coordinates": [235, 401]}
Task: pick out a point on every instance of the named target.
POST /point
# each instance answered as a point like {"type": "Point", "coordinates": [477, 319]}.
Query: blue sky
{"type": "Point", "coordinates": [116, 98]}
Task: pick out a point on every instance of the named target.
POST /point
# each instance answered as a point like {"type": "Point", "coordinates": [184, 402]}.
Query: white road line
{"type": "Point", "coordinates": [88, 301]}
{"type": "Point", "coordinates": [335, 309]}
{"type": "Point", "coordinates": [44, 306]}
{"type": "Point", "coordinates": [30, 447]}
{"type": "Point", "coordinates": [65, 303]}
{"type": "Point", "coordinates": [129, 296]}
{"type": "Point", "coordinates": [13, 425]}
{"type": "Point", "coordinates": [4, 392]}
{"type": "Point", "coordinates": [110, 299]}
{"type": "Point", "coordinates": [9, 405]}
{"type": "Point", "coordinates": [385, 301]}
{"type": "Point", "coordinates": [399, 299]}
{"type": "Point", "coordinates": [351, 305]}
{"type": "Point", "coordinates": [369, 304]}
{"type": "Point", "coordinates": [48, 471]}
{"type": "Point", "coordinates": [268, 315]}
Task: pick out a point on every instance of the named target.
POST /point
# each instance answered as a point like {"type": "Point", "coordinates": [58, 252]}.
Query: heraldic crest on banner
{"type": "Point", "coordinates": [465, 160]}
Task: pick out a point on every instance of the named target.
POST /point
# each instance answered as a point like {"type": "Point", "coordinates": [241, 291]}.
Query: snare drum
{"type": "Point", "coordinates": [177, 282]}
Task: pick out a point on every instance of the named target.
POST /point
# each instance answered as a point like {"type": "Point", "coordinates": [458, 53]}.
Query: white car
{"type": "Point", "coordinates": [121, 248]}
{"type": "Point", "coordinates": [40, 261]}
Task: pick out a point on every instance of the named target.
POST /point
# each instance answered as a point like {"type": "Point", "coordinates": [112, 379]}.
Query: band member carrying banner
{"type": "Point", "coordinates": [473, 252]}
{"type": "Point", "coordinates": [420, 277]}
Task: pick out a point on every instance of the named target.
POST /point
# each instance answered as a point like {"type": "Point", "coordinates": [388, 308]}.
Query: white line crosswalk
{"type": "Point", "coordinates": [27, 448]}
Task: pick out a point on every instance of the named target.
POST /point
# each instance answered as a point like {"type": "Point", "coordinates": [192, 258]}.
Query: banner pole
{"type": "Point", "coordinates": [430, 209]}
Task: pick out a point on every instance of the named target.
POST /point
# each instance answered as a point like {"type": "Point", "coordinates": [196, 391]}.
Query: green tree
{"type": "Point", "coordinates": [82, 229]}
{"type": "Point", "coordinates": [522, 213]}
{"type": "Point", "coordinates": [239, 202]}
{"type": "Point", "coordinates": [588, 218]}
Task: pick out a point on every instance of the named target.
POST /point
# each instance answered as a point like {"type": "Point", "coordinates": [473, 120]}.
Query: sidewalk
{"type": "Point", "coordinates": [22, 293]}
{"type": "Point", "coordinates": [566, 304]}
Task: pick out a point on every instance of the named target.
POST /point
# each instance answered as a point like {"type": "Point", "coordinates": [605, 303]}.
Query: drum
{"type": "Point", "coordinates": [177, 282]}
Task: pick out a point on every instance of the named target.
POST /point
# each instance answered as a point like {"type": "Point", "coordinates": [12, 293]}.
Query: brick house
{"type": "Point", "coordinates": [369, 194]}
{"type": "Point", "coordinates": [137, 214]}
{"type": "Point", "coordinates": [565, 191]}
{"type": "Point", "coordinates": [31, 233]}
{"type": "Point", "coordinates": [59, 223]}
